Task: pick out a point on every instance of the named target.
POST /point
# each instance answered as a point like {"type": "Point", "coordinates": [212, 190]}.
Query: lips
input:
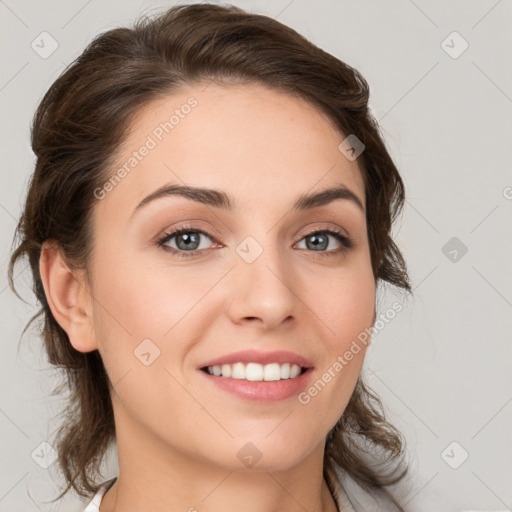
{"type": "Point", "coordinates": [256, 356]}
{"type": "Point", "coordinates": [259, 391]}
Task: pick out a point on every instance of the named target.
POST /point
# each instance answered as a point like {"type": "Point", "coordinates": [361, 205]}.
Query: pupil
{"type": "Point", "coordinates": [188, 240]}
{"type": "Point", "coordinates": [315, 244]}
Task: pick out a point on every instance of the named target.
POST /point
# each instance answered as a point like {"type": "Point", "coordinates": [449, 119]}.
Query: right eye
{"type": "Point", "coordinates": [187, 241]}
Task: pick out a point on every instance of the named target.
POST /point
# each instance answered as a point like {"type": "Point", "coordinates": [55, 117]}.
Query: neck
{"type": "Point", "coordinates": [153, 476]}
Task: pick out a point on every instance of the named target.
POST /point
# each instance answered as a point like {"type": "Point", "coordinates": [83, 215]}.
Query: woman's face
{"type": "Point", "coordinates": [261, 276]}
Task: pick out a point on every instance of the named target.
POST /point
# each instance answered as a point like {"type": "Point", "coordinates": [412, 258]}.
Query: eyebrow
{"type": "Point", "coordinates": [219, 199]}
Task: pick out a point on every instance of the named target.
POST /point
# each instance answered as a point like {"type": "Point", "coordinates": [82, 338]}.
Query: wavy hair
{"type": "Point", "coordinates": [82, 121]}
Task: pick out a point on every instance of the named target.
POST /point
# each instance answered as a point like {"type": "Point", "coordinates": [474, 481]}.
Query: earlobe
{"type": "Point", "coordinates": [68, 298]}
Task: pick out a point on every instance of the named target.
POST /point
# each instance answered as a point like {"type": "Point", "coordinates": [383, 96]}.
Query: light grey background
{"type": "Point", "coordinates": [442, 366]}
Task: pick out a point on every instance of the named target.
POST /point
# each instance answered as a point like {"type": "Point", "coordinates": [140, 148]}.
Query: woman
{"type": "Point", "coordinates": [207, 224]}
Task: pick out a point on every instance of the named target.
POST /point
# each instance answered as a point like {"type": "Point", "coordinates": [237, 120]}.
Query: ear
{"type": "Point", "coordinates": [69, 298]}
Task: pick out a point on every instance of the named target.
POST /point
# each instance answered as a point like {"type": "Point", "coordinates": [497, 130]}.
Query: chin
{"type": "Point", "coordinates": [260, 454]}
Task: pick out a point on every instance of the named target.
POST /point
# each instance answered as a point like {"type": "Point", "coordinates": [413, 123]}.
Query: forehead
{"type": "Point", "coordinates": [248, 140]}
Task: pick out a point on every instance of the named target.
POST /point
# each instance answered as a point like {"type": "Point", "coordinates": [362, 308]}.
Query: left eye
{"type": "Point", "coordinates": [319, 240]}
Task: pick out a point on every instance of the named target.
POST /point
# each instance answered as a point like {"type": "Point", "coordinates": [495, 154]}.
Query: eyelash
{"type": "Point", "coordinates": [346, 241]}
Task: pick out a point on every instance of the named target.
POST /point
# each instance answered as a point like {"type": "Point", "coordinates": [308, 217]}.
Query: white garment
{"type": "Point", "coordinates": [94, 504]}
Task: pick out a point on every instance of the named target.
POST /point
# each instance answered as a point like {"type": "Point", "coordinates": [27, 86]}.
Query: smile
{"type": "Point", "coordinates": [256, 372]}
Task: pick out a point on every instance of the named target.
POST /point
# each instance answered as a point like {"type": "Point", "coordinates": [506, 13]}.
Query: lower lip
{"type": "Point", "coordinates": [262, 391]}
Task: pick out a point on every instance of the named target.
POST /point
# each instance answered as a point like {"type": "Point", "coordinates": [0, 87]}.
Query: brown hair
{"type": "Point", "coordinates": [80, 125]}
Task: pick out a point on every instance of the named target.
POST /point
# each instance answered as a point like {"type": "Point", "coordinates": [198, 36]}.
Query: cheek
{"type": "Point", "coordinates": [346, 304]}
{"type": "Point", "coordinates": [136, 302]}
{"type": "Point", "coordinates": [146, 301]}
{"type": "Point", "coordinates": [139, 317]}
{"type": "Point", "coordinates": [347, 321]}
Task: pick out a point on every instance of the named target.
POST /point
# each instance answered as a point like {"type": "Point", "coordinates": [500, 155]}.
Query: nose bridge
{"type": "Point", "coordinates": [263, 283]}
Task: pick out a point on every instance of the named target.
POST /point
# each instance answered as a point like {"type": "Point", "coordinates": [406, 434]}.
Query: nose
{"type": "Point", "coordinates": [262, 292]}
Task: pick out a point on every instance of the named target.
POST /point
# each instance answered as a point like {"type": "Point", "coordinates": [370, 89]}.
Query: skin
{"type": "Point", "coordinates": [177, 435]}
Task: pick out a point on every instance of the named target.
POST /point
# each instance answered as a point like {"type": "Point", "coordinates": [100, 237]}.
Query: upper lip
{"type": "Point", "coordinates": [256, 356]}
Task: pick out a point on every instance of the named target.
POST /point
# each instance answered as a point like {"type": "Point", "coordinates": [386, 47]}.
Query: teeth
{"type": "Point", "coordinates": [256, 372]}
{"type": "Point", "coordinates": [285, 371]}
{"type": "Point", "coordinates": [238, 371]}
{"type": "Point", "coordinates": [273, 372]}
{"type": "Point", "coordinates": [294, 371]}
{"type": "Point", "coordinates": [253, 371]}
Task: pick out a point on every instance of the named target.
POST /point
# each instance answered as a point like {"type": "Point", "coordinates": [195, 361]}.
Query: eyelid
{"type": "Point", "coordinates": [190, 225]}
{"type": "Point", "coordinates": [325, 226]}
